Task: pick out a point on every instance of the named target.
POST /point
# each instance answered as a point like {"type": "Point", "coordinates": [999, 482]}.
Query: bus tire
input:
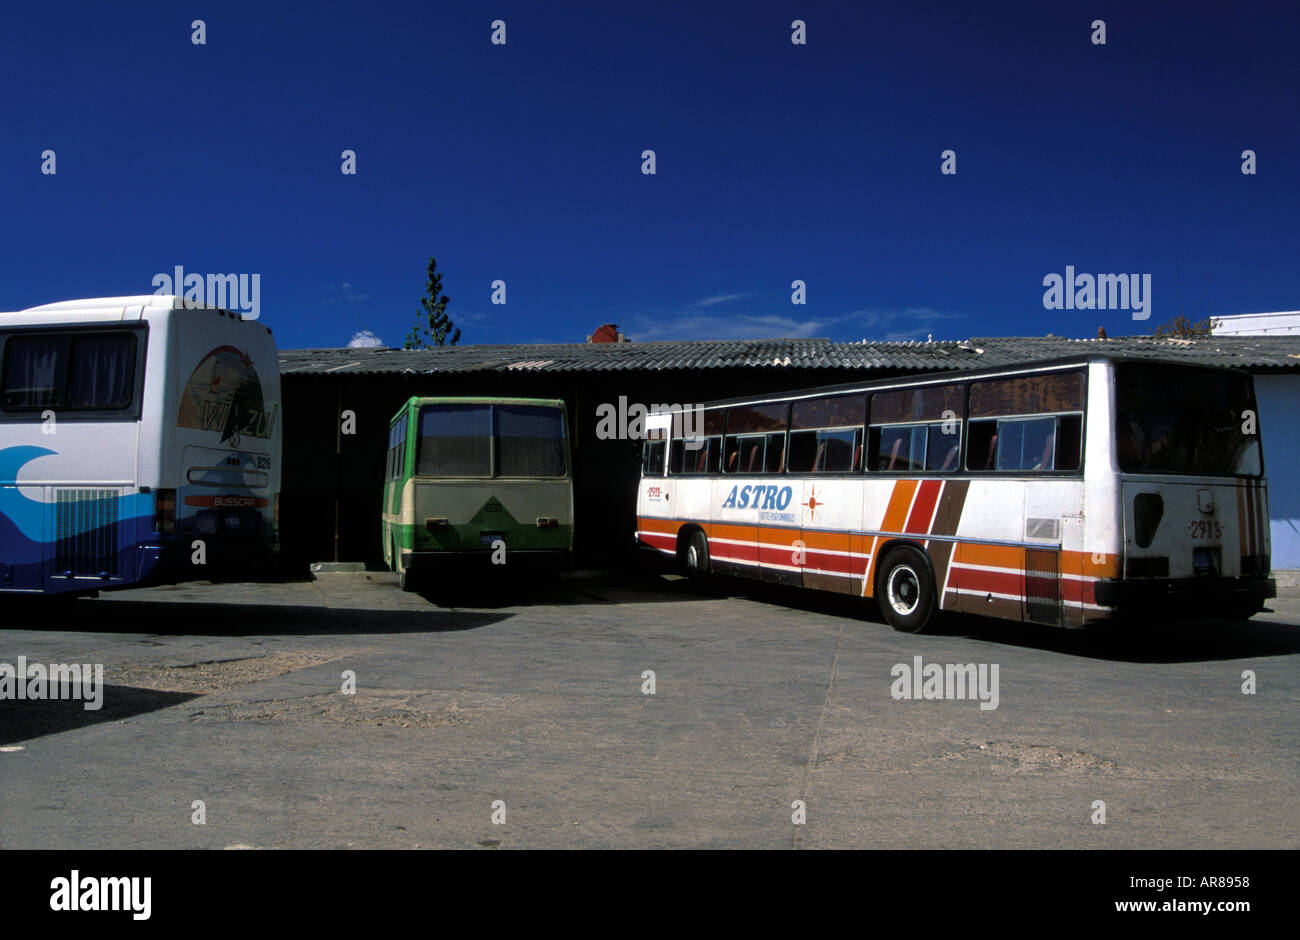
{"type": "Point", "coordinates": [405, 579]}
{"type": "Point", "coordinates": [905, 590]}
{"type": "Point", "coordinates": [695, 557]}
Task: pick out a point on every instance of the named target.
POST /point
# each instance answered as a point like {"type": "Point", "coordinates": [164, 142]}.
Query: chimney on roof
{"type": "Point", "coordinates": [607, 333]}
{"type": "Point", "coordinates": [1101, 333]}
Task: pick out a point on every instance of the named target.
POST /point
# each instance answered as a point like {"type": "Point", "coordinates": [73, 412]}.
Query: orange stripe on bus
{"type": "Point", "coordinates": [900, 501]}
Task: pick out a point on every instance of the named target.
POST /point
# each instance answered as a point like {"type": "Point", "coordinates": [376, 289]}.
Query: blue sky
{"type": "Point", "coordinates": [774, 162]}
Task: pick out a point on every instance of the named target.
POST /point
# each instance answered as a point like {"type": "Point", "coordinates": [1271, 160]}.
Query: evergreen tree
{"type": "Point", "coordinates": [432, 325]}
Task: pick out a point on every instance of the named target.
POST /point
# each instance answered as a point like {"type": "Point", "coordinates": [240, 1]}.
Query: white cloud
{"type": "Point", "coordinates": [364, 339]}
{"type": "Point", "coordinates": [706, 326]}
{"type": "Point", "coordinates": [881, 324]}
{"type": "Point", "coordinates": [891, 325]}
{"type": "Point", "coordinates": [340, 293]}
{"type": "Point", "coordinates": [719, 299]}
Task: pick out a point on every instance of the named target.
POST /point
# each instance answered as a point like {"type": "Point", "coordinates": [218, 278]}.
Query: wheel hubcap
{"type": "Point", "coordinates": [904, 590]}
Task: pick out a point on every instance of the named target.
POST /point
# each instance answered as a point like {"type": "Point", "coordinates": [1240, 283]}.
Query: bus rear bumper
{"type": "Point", "coordinates": [1190, 598]}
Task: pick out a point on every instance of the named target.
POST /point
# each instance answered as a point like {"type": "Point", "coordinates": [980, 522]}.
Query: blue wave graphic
{"type": "Point", "coordinates": [28, 515]}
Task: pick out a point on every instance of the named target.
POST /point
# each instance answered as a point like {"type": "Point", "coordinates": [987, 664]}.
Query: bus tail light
{"type": "Point", "coordinates": [164, 511]}
{"type": "Point", "coordinates": [1148, 508]}
{"type": "Point", "coordinates": [436, 522]}
{"type": "Point", "coordinates": [275, 517]}
{"type": "Point", "coordinates": [547, 522]}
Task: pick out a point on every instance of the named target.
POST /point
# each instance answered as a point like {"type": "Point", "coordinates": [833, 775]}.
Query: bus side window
{"type": "Point", "coordinates": [982, 445]}
{"type": "Point", "coordinates": [715, 455]}
{"type": "Point", "coordinates": [1033, 445]}
{"type": "Point", "coordinates": [702, 457]}
{"type": "Point", "coordinates": [654, 459]}
{"type": "Point", "coordinates": [733, 452]}
{"type": "Point", "coordinates": [675, 451]}
{"type": "Point", "coordinates": [943, 447]}
{"type": "Point", "coordinates": [899, 448]}
{"type": "Point", "coordinates": [775, 460]}
{"type": "Point", "coordinates": [1069, 441]}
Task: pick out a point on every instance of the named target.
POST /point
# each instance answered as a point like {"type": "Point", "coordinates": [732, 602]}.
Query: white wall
{"type": "Point", "coordinates": [1257, 324]}
{"type": "Point", "coordinates": [1278, 397]}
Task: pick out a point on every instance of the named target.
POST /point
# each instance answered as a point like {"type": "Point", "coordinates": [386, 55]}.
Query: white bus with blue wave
{"type": "Point", "coordinates": [139, 442]}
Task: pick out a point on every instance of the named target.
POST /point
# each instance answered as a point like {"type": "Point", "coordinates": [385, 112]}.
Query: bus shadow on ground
{"type": "Point", "coordinates": [629, 586]}
{"type": "Point", "coordinates": [165, 618]}
{"type": "Point", "coordinates": [1135, 642]}
{"type": "Point", "coordinates": [1145, 642]}
{"type": "Point", "coordinates": [23, 720]}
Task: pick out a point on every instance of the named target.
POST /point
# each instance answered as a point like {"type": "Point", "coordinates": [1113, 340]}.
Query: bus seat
{"type": "Point", "coordinates": [818, 461]}
{"type": "Point", "coordinates": [702, 464]}
{"type": "Point", "coordinates": [857, 457]}
{"type": "Point", "coordinates": [731, 461]}
{"type": "Point", "coordinates": [993, 452]}
{"type": "Point", "coordinates": [753, 459]}
{"type": "Point", "coordinates": [893, 454]}
{"type": "Point", "coordinates": [951, 459]}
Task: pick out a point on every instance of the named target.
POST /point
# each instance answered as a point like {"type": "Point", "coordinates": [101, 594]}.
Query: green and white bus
{"type": "Point", "coordinates": [477, 481]}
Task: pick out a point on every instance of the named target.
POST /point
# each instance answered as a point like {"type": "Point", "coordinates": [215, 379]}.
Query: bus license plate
{"type": "Point", "coordinates": [487, 538]}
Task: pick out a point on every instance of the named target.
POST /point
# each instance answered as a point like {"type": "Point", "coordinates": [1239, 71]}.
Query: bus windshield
{"type": "Point", "coordinates": [456, 440]}
{"type": "Point", "coordinates": [1183, 420]}
{"type": "Point", "coordinates": [530, 440]}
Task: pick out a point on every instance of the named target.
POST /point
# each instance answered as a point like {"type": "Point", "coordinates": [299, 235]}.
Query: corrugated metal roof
{"type": "Point", "coordinates": [602, 357]}
{"type": "Point", "coordinates": [1253, 352]}
{"type": "Point", "coordinates": [1243, 352]}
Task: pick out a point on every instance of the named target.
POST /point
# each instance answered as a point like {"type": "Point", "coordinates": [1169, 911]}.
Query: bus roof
{"type": "Point", "coordinates": [963, 375]}
{"type": "Point", "coordinates": [109, 310]}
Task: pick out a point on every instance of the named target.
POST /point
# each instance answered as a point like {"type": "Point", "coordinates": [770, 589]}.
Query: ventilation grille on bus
{"type": "Point", "coordinates": [1043, 585]}
{"type": "Point", "coordinates": [85, 530]}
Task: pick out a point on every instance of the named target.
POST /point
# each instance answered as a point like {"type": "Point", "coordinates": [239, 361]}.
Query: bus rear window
{"type": "Point", "coordinates": [455, 440]}
{"type": "Point", "coordinates": [1172, 419]}
{"type": "Point", "coordinates": [530, 441]}
{"type": "Point", "coordinates": [89, 371]}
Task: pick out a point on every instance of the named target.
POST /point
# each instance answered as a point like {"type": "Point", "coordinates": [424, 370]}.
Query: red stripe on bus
{"type": "Point", "coordinates": [923, 509]}
{"type": "Point", "coordinates": [992, 582]}
{"type": "Point", "coordinates": [659, 540]}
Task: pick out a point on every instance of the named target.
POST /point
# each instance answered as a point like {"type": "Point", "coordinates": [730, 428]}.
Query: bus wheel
{"type": "Point", "coordinates": [405, 579]}
{"type": "Point", "coordinates": [905, 590]}
{"type": "Point", "coordinates": [696, 557]}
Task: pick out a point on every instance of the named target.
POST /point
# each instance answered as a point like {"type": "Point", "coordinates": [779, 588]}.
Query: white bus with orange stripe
{"type": "Point", "coordinates": [1065, 493]}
